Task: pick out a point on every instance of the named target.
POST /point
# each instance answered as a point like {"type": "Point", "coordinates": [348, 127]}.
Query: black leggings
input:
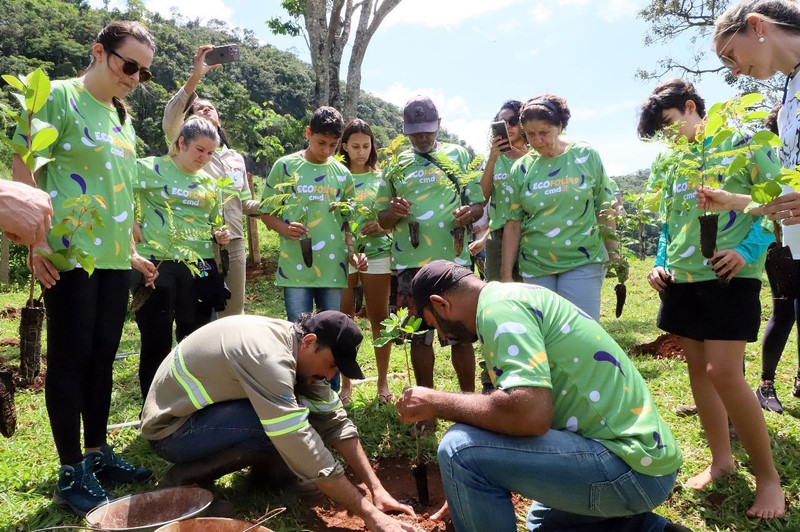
{"type": "Point", "coordinates": [785, 313]}
{"type": "Point", "coordinates": [175, 299]}
{"type": "Point", "coordinates": [85, 316]}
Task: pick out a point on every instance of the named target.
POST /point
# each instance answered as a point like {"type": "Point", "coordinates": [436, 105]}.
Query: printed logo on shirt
{"type": "Point", "coordinates": [193, 198]}
{"type": "Point", "coordinates": [500, 177]}
{"type": "Point", "coordinates": [555, 186]}
{"type": "Point", "coordinates": [119, 147]}
{"type": "Point", "coordinates": [680, 188]}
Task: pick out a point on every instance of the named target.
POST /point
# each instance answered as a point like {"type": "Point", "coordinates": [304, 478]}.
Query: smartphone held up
{"type": "Point", "coordinates": [499, 129]}
{"type": "Point", "coordinates": [220, 55]}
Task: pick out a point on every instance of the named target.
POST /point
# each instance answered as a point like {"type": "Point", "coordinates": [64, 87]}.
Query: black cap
{"type": "Point", "coordinates": [342, 335]}
{"type": "Point", "coordinates": [435, 278]}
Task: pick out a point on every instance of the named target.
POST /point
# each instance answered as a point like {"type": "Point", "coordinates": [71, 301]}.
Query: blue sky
{"type": "Point", "coordinates": [470, 56]}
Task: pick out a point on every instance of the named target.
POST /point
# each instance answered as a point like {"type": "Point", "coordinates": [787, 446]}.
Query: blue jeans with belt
{"type": "Point", "coordinates": [577, 483]}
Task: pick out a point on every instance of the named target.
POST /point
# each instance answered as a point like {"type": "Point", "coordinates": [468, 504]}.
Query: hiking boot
{"type": "Point", "coordinates": [113, 468]}
{"type": "Point", "coordinates": [204, 471]}
{"type": "Point", "coordinates": [796, 387]}
{"type": "Point", "coordinates": [767, 397]}
{"type": "Point", "coordinates": [78, 487]}
{"type": "Point", "coordinates": [686, 410]}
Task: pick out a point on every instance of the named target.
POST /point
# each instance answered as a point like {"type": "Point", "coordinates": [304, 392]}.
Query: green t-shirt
{"type": "Point", "coordinates": [559, 199]}
{"type": "Point", "coordinates": [195, 204]}
{"type": "Point", "coordinates": [94, 155]}
{"type": "Point", "coordinates": [309, 203]}
{"type": "Point", "coordinates": [679, 210]}
{"type": "Point", "coordinates": [433, 199]}
{"type": "Point", "coordinates": [376, 246]}
{"type": "Point", "coordinates": [502, 192]}
{"type": "Point", "coordinates": [534, 338]}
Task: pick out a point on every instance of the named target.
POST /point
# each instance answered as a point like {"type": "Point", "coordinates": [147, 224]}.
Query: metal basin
{"type": "Point", "coordinates": [150, 510]}
{"type": "Point", "coordinates": [211, 524]}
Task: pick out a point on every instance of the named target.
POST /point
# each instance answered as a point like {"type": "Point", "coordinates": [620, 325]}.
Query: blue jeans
{"type": "Point", "coordinates": [300, 300]}
{"type": "Point", "coordinates": [580, 286]}
{"type": "Point", "coordinates": [213, 429]}
{"type": "Point", "coordinates": [578, 484]}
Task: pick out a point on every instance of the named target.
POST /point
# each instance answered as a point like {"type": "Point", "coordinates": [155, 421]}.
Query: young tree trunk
{"type": "Point", "coordinates": [5, 251]}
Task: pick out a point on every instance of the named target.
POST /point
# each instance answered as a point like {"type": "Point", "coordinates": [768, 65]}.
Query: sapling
{"type": "Point", "coordinates": [279, 203]}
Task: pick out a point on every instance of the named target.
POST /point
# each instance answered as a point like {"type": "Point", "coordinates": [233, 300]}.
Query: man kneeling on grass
{"type": "Point", "coordinates": [570, 424]}
{"type": "Point", "coordinates": [249, 390]}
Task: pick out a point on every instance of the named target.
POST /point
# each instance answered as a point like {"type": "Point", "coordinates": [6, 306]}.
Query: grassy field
{"type": "Point", "coordinates": [28, 463]}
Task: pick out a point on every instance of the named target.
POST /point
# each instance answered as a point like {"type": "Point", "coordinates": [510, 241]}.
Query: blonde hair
{"type": "Point", "coordinates": [194, 128]}
{"type": "Point", "coordinates": [781, 12]}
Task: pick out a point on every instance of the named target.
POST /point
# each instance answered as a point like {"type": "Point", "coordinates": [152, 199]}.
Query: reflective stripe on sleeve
{"type": "Point", "coordinates": [194, 388]}
{"type": "Point", "coordinates": [320, 406]}
{"type": "Point", "coordinates": [279, 426]}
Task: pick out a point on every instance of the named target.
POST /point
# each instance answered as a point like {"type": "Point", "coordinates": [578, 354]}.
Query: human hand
{"type": "Point", "coordinates": [200, 66]}
{"type": "Point", "coordinates": [294, 230]}
{"type": "Point", "coordinates": [380, 522]}
{"type": "Point", "coordinates": [147, 268]}
{"type": "Point", "coordinates": [477, 246]}
{"type": "Point", "coordinates": [399, 207]}
{"type": "Point", "coordinates": [659, 278]}
{"type": "Point", "coordinates": [25, 212]}
{"type": "Point", "coordinates": [222, 237]}
{"type": "Point", "coordinates": [499, 145]}
{"type": "Point", "coordinates": [727, 263]}
{"type": "Point", "coordinates": [386, 503]}
{"type": "Point", "coordinates": [442, 513]}
{"type": "Point", "coordinates": [359, 261]}
{"type": "Point", "coordinates": [413, 404]}
{"type": "Point", "coordinates": [463, 215]}
{"type": "Point", "coordinates": [42, 268]}
{"type": "Point", "coordinates": [372, 227]}
{"type": "Point", "coordinates": [786, 208]}
{"type": "Point", "coordinates": [137, 233]}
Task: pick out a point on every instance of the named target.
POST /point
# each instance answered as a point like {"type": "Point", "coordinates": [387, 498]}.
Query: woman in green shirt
{"type": "Point", "coordinates": [180, 206]}
{"type": "Point", "coordinates": [360, 157]}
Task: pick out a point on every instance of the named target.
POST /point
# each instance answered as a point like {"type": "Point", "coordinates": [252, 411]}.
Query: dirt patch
{"type": "Point", "coordinates": [265, 268]}
{"type": "Point", "coordinates": [10, 313]}
{"type": "Point", "coordinates": [9, 342]}
{"type": "Point", "coordinates": [395, 475]}
{"type": "Point", "coordinates": [13, 367]}
{"type": "Point", "coordinates": [665, 346]}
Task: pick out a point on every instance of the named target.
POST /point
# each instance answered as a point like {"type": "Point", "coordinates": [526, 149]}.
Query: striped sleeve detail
{"type": "Point", "coordinates": [194, 388]}
{"type": "Point", "coordinates": [320, 407]}
{"type": "Point", "coordinates": [279, 426]}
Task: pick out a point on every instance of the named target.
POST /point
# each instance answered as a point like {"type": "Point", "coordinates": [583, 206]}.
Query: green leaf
{"type": "Point", "coordinates": [21, 150]}
{"type": "Point", "coordinates": [754, 116]}
{"type": "Point", "coordinates": [737, 164]}
{"type": "Point", "coordinates": [765, 192]}
{"type": "Point", "coordinates": [749, 100]}
{"type": "Point", "coordinates": [86, 262]}
{"type": "Point", "coordinates": [39, 162]}
{"type": "Point", "coordinates": [767, 138]}
{"type": "Point", "coordinates": [713, 124]}
{"type": "Point", "coordinates": [382, 341]}
{"type": "Point", "coordinates": [38, 91]}
{"type": "Point", "coordinates": [60, 259]}
{"type": "Point", "coordinates": [60, 230]}
{"type": "Point", "coordinates": [14, 81]}
{"type": "Point", "coordinates": [43, 139]}
{"type": "Point", "coordinates": [721, 136]}
{"type": "Point", "coordinates": [21, 99]}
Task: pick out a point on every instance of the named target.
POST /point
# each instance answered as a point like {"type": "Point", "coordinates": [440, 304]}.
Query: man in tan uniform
{"type": "Point", "coordinates": [243, 387]}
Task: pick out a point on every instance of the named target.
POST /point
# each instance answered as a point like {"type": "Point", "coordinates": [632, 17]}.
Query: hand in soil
{"type": "Point", "coordinates": [659, 278]}
{"type": "Point", "coordinates": [384, 502]}
{"type": "Point", "coordinates": [463, 215]}
{"type": "Point", "coordinates": [727, 263]}
{"type": "Point", "coordinates": [413, 405]}
{"type": "Point", "coordinates": [359, 261]}
{"type": "Point", "coordinates": [442, 513]}
{"type": "Point", "coordinates": [294, 230]}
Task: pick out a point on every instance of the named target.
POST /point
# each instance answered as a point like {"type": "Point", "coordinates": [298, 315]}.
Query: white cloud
{"type": "Point", "coordinates": [190, 9]}
{"type": "Point", "coordinates": [612, 10]}
{"type": "Point", "coordinates": [447, 14]}
{"type": "Point", "coordinates": [541, 13]}
{"type": "Point", "coordinates": [579, 3]}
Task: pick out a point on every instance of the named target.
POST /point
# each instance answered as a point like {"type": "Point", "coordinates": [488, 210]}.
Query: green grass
{"type": "Point", "coordinates": [28, 462]}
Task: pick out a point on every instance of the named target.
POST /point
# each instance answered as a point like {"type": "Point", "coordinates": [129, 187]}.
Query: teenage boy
{"type": "Point", "coordinates": [419, 190]}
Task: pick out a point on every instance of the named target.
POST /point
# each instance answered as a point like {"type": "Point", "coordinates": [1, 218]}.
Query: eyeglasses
{"type": "Point", "coordinates": [129, 68]}
{"type": "Point", "coordinates": [513, 121]}
{"type": "Point", "coordinates": [726, 60]}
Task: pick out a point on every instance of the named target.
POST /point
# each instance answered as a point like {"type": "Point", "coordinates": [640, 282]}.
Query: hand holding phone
{"type": "Point", "coordinates": [499, 129]}
{"type": "Point", "coordinates": [223, 54]}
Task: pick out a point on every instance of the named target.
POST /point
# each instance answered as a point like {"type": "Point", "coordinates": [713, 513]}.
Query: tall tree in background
{"type": "Point", "coordinates": [326, 26]}
{"type": "Point", "coordinates": [692, 20]}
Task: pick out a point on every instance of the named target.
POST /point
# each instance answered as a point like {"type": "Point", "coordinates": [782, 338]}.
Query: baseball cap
{"type": "Point", "coordinates": [420, 116]}
{"type": "Point", "coordinates": [342, 335]}
{"type": "Point", "coordinates": [435, 278]}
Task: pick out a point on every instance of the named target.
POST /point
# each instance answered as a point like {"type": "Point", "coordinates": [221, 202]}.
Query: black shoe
{"type": "Point", "coordinates": [78, 487]}
{"type": "Point", "coordinates": [113, 468]}
{"type": "Point", "coordinates": [767, 397]}
{"type": "Point", "coordinates": [204, 471]}
{"type": "Point", "coordinates": [675, 527]}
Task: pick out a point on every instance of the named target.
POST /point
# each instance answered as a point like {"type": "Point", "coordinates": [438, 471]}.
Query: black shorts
{"type": "Point", "coordinates": [710, 311]}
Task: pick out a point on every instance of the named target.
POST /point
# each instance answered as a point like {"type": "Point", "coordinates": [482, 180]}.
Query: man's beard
{"type": "Point", "coordinates": [455, 330]}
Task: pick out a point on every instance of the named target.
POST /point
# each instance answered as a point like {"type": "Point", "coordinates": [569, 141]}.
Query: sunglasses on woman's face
{"type": "Point", "coordinates": [727, 62]}
{"type": "Point", "coordinates": [129, 68]}
{"type": "Point", "coordinates": [513, 121]}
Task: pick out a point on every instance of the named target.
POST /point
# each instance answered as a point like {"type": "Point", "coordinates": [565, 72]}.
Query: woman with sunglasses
{"type": "Point", "coordinates": [563, 194]}
{"type": "Point", "coordinates": [759, 39]}
{"type": "Point", "coordinates": [95, 156]}
{"type": "Point", "coordinates": [226, 164]}
{"type": "Point", "coordinates": [496, 185]}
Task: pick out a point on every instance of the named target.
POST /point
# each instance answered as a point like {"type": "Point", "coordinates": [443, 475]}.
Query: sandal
{"type": "Point", "coordinates": [384, 398]}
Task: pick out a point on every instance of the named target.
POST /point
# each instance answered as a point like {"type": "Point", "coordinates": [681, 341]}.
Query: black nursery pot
{"type": "Point", "coordinates": [708, 234]}
{"type": "Point", "coordinates": [140, 296]}
{"type": "Point", "coordinates": [622, 293]}
{"type": "Point", "coordinates": [413, 234]}
{"type": "Point", "coordinates": [305, 248]}
{"type": "Point", "coordinates": [30, 341]}
{"type": "Point", "coordinates": [8, 410]}
{"type": "Point", "coordinates": [420, 472]}
{"type": "Point", "coordinates": [780, 271]}
{"type": "Point", "coordinates": [458, 239]}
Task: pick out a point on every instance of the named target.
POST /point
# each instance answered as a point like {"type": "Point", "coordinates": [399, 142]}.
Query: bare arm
{"type": "Point", "coordinates": [511, 233]}
{"type": "Point", "coordinates": [524, 411]}
{"type": "Point", "coordinates": [398, 209]}
{"type": "Point", "coordinates": [292, 230]}
{"type": "Point", "coordinates": [25, 212]}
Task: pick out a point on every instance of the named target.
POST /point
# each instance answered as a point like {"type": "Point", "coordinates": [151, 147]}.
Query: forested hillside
{"type": "Point", "coordinates": [264, 100]}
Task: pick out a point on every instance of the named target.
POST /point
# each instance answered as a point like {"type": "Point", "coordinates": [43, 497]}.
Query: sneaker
{"type": "Point", "coordinates": [78, 487]}
{"type": "Point", "coordinates": [767, 397]}
{"type": "Point", "coordinates": [113, 468]}
{"type": "Point", "coordinates": [796, 387]}
{"type": "Point", "coordinates": [686, 410]}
